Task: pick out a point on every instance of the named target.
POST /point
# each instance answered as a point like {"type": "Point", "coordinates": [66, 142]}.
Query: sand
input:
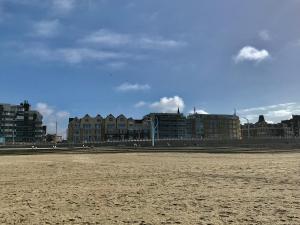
{"type": "Point", "coordinates": [150, 188]}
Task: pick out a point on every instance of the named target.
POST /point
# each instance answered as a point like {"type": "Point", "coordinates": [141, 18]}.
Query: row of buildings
{"type": "Point", "coordinates": [21, 124]}
{"type": "Point", "coordinates": [262, 129]}
{"type": "Point", "coordinates": [177, 126]}
{"type": "Point", "coordinates": [18, 123]}
{"type": "Point", "coordinates": [164, 126]}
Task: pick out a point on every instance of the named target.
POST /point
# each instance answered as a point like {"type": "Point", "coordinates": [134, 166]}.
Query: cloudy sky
{"type": "Point", "coordinates": [72, 57]}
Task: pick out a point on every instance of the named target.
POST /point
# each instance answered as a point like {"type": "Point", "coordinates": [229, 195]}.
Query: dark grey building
{"type": "Point", "coordinates": [169, 125]}
{"type": "Point", "coordinates": [294, 125]}
{"type": "Point", "coordinates": [263, 129]}
{"type": "Point", "coordinates": [18, 123]}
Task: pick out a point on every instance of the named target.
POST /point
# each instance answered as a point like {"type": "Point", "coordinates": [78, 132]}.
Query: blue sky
{"type": "Point", "coordinates": [72, 57]}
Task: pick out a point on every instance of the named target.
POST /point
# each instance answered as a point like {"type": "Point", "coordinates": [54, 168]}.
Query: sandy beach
{"type": "Point", "coordinates": [150, 188]}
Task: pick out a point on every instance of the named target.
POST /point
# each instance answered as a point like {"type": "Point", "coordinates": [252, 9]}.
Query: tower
{"type": "Point", "coordinates": [261, 119]}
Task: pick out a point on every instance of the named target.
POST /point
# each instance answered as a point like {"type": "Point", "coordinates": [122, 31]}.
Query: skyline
{"type": "Point", "coordinates": [71, 58]}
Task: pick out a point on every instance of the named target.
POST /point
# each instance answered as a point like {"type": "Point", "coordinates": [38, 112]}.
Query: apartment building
{"type": "Point", "coordinates": [122, 127]}
{"type": "Point", "coordinates": [110, 124]}
{"type": "Point", "coordinates": [96, 129]}
{"type": "Point", "coordinates": [85, 130]}
{"type": "Point", "coordinates": [293, 125]}
{"type": "Point", "coordinates": [18, 123]}
{"type": "Point", "coordinates": [212, 126]}
{"type": "Point", "coordinates": [168, 125]}
{"type": "Point", "coordinates": [138, 129]}
{"type": "Point", "coordinates": [263, 129]}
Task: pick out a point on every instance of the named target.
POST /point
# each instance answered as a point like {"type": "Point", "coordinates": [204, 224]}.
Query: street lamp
{"type": "Point", "coordinates": [248, 126]}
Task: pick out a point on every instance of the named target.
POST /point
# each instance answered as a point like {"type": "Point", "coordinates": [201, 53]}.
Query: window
{"type": "Point", "coordinates": [87, 126]}
{"type": "Point", "coordinates": [122, 125]}
{"type": "Point", "coordinates": [110, 126]}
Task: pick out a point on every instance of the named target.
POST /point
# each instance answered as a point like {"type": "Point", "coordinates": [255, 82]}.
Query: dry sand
{"type": "Point", "coordinates": [150, 188]}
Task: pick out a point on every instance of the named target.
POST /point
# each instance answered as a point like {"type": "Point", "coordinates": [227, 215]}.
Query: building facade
{"type": "Point", "coordinates": [293, 125]}
{"type": "Point", "coordinates": [86, 130]}
{"type": "Point", "coordinates": [209, 126]}
{"type": "Point", "coordinates": [138, 129]}
{"type": "Point", "coordinates": [110, 125]}
{"type": "Point", "coordinates": [122, 127]}
{"type": "Point", "coordinates": [168, 125]}
{"type": "Point", "coordinates": [18, 123]}
{"type": "Point", "coordinates": [263, 129]}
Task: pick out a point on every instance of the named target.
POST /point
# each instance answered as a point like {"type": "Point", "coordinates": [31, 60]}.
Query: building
{"type": "Point", "coordinates": [86, 130]}
{"type": "Point", "coordinates": [263, 129]}
{"type": "Point", "coordinates": [168, 125]}
{"type": "Point", "coordinates": [53, 138]}
{"type": "Point", "coordinates": [122, 127]}
{"type": "Point", "coordinates": [210, 126]}
{"type": "Point", "coordinates": [111, 132]}
{"type": "Point", "coordinates": [18, 123]}
{"type": "Point", "coordinates": [138, 129]}
{"type": "Point", "coordinates": [111, 128]}
{"type": "Point", "coordinates": [293, 125]}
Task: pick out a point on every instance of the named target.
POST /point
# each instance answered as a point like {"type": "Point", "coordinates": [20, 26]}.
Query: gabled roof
{"type": "Point", "coordinates": [99, 117]}
{"type": "Point", "coordinates": [121, 116]}
{"type": "Point", "coordinates": [86, 116]}
{"type": "Point", "coordinates": [110, 115]}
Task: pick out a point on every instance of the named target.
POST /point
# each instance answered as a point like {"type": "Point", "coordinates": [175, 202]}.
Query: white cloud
{"type": "Point", "coordinates": [249, 53]}
{"type": "Point", "coordinates": [63, 114]}
{"type": "Point", "coordinates": [264, 35]}
{"type": "Point", "coordinates": [46, 28]}
{"type": "Point", "coordinates": [51, 115]}
{"type": "Point", "coordinates": [269, 107]}
{"type": "Point", "coordinates": [140, 104]}
{"type": "Point", "coordinates": [159, 43]}
{"type": "Point", "coordinates": [198, 111]}
{"type": "Point", "coordinates": [75, 55]}
{"type": "Point", "coordinates": [166, 104]}
{"type": "Point", "coordinates": [274, 113]}
{"type": "Point", "coordinates": [110, 38]}
{"type": "Point", "coordinates": [63, 6]}
{"type": "Point", "coordinates": [133, 87]}
{"type": "Point", "coordinates": [107, 37]}
{"type": "Point", "coordinates": [44, 109]}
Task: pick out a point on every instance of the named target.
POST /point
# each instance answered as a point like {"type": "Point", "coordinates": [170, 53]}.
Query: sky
{"type": "Point", "coordinates": [74, 57]}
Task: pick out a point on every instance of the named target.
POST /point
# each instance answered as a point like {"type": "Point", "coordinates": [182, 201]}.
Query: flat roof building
{"type": "Point", "coordinates": [212, 126]}
{"type": "Point", "coordinates": [18, 123]}
{"type": "Point", "coordinates": [168, 125]}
